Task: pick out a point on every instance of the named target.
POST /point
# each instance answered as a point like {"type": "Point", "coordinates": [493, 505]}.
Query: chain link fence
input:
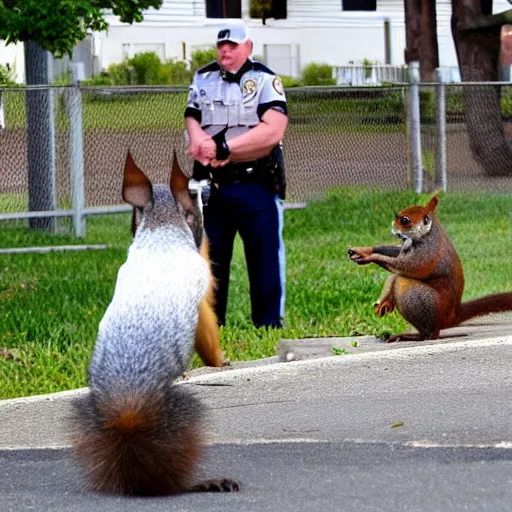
{"type": "Point", "coordinates": [337, 136]}
{"type": "Point", "coordinates": [464, 106]}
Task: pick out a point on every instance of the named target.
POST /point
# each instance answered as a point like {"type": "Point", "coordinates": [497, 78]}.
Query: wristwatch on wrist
{"type": "Point", "coordinates": [223, 150]}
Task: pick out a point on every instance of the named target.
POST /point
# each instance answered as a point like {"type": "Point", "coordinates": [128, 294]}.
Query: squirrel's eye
{"type": "Point", "coordinates": [404, 221]}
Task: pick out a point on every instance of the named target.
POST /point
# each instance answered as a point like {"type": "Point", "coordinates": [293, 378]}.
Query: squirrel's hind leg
{"type": "Point", "coordinates": [416, 301]}
{"type": "Point", "coordinates": [385, 304]}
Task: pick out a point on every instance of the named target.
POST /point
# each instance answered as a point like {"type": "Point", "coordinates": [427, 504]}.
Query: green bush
{"type": "Point", "coordinates": [176, 73]}
{"type": "Point", "coordinates": [318, 74]}
{"type": "Point", "coordinates": [427, 105]}
{"type": "Point", "coordinates": [64, 79]}
{"type": "Point", "coordinates": [201, 57]}
{"type": "Point", "coordinates": [289, 81]}
{"type": "Point", "coordinates": [506, 101]}
{"type": "Point", "coordinates": [122, 73]}
{"type": "Point", "coordinates": [148, 69]}
{"type": "Point", "coordinates": [6, 75]}
{"type": "Point", "coordinates": [102, 79]}
{"type": "Point", "coordinates": [145, 69]}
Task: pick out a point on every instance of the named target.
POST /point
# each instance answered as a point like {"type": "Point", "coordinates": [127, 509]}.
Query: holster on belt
{"type": "Point", "coordinates": [268, 170]}
{"type": "Point", "coordinates": [271, 169]}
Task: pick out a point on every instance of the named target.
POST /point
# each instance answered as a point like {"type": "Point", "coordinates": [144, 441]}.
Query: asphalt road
{"type": "Point", "coordinates": [421, 428]}
{"type": "Point", "coordinates": [287, 477]}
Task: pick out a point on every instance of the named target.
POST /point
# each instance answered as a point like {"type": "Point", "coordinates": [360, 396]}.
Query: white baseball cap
{"type": "Point", "coordinates": [233, 34]}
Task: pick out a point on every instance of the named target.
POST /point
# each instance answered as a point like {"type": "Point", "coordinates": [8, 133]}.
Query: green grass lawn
{"type": "Point", "coordinates": [51, 304]}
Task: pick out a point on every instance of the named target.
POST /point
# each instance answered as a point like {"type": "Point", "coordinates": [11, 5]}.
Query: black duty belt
{"type": "Point", "coordinates": [245, 172]}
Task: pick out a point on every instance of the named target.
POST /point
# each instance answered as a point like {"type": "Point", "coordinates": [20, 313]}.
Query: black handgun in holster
{"type": "Point", "coordinates": [272, 171]}
{"type": "Point", "coordinates": [201, 172]}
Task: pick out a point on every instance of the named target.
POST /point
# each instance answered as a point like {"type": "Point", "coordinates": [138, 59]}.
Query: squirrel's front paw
{"type": "Point", "coordinates": [360, 255]}
{"type": "Point", "coordinates": [217, 485]}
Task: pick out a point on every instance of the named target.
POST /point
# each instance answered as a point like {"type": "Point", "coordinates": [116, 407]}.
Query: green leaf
{"type": "Point", "coordinates": [59, 26]}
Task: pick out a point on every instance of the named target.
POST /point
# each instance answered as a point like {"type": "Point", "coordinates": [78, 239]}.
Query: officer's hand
{"type": "Point", "coordinates": [220, 163]}
{"type": "Point", "coordinates": [208, 148]}
{"type": "Point", "coordinates": [195, 148]}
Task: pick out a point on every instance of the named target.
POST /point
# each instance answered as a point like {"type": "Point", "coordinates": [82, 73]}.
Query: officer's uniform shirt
{"type": "Point", "coordinates": [237, 101]}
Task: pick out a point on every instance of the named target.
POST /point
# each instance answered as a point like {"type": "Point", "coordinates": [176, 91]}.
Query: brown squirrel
{"type": "Point", "coordinates": [427, 282]}
{"type": "Point", "coordinates": [136, 431]}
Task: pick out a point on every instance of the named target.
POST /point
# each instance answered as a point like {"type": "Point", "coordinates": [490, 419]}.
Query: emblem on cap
{"type": "Point", "coordinates": [224, 34]}
{"type": "Point", "coordinates": [249, 86]}
{"type": "Point", "coordinates": [278, 85]}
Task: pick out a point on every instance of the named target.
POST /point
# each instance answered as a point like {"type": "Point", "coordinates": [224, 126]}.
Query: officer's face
{"type": "Point", "coordinates": [231, 56]}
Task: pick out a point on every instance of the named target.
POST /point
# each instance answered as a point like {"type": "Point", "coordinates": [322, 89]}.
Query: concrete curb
{"type": "Point", "coordinates": [40, 422]}
{"type": "Point", "coordinates": [368, 347]}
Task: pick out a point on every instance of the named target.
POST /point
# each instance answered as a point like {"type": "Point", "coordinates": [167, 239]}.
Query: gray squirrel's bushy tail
{"type": "Point", "coordinates": [143, 443]}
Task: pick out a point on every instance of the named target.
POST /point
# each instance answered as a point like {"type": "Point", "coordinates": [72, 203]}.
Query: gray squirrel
{"type": "Point", "coordinates": [135, 432]}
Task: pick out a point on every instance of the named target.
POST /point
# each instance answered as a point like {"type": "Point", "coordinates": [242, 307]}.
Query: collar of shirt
{"type": "Point", "coordinates": [235, 77]}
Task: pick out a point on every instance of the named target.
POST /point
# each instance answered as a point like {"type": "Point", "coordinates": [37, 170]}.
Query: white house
{"type": "Point", "coordinates": [330, 31]}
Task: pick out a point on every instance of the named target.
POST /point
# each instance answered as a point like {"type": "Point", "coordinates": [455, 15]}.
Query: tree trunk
{"type": "Point", "coordinates": [41, 136]}
{"type": "Point", "coordinates": [478, 55]}
{"type": "Point", "coordinates": [412, 10]}
{"type": "Point", "coordinates": [429, 50]}
{"type": "Point", "coordinates": [421, 36]}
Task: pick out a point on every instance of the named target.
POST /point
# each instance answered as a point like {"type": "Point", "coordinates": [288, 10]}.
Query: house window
{"type": "Point", "coordinates": [359, 5]}
{"type": "Point", "coordinates": [223, 8]}
{"type": "Point", "coordinates": [279, 9]}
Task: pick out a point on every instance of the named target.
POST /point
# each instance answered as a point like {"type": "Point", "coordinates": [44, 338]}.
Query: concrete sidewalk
{"type": "Point", "coordinates": [453, 390]}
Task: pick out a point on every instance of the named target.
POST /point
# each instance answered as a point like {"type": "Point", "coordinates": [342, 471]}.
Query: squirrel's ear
{"type": "Point", "coordinates": [434, 200]}
{"type": "Point", "coordinates": [137, 189]}
{"type": "Point", "coordinates": [179, 185]}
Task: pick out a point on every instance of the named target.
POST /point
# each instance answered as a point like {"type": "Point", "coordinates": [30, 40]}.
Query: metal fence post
{"type": "Point", "coordinates": [415, 126]}
{"type": "Point", "coordinates": [441, 180]}
{"type": "Point", "coordinates": [77, 159]}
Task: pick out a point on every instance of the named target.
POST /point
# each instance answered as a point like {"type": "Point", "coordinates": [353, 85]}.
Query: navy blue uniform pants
{"type": "Point", "coordinates": [252, 211]}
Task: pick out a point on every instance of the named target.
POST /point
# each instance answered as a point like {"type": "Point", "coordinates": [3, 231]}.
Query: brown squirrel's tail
{"type": "Point", "coordinates": [207, 343]}
{"type": "Point", "coordinates": [496, 303]}
{"type": "Point", "coordinates": [144, 443]}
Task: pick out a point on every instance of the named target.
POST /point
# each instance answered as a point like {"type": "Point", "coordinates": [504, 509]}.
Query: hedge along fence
{"type": "Point", "coordinates": [122, 108]}
{"type": "Point", "coordinates": [147, 69]}
{"type": "Point", "coordinates": [104, 107]}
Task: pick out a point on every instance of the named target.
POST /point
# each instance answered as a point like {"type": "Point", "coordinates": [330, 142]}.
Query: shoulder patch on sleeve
{"type": "Point", "coordinates": [278, 85]}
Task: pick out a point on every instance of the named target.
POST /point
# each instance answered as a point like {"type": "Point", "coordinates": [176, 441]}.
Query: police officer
{"type": "Point", "coordinates": [235, 119]}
